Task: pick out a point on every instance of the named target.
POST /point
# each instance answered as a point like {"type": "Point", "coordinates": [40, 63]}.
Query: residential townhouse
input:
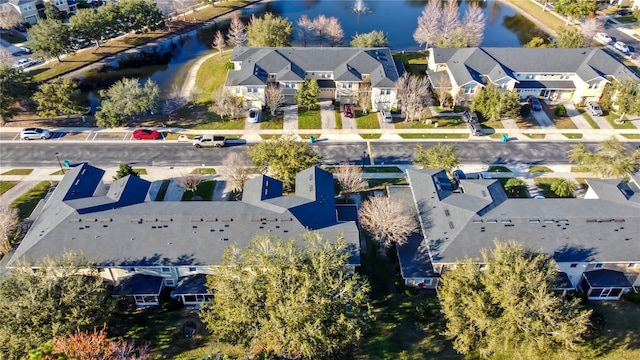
{"type": "Point", "coordinates": [576, 75]}
{"type": "Point", "coordinates": [33, 10]}
{"type": "Point", "coordinates": [340, 71]}
{"type": "Point", "coordinates": [595, 241]}
{"type": "Point", "coordinates": [144, 246]}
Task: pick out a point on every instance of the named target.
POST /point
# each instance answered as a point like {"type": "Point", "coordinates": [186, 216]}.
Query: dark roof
{"type": "Point", "coordinates": [563, 282]}
{"type": "Point", "coordinates": [138, 284]}
{"type": "Point", "coordinates": [546, 84]}
{"type": "Point", "coordinates": [606, 278]}
{"type": "Point", "coordinates": [192, 284]}
{"type": "Point", "coordinates": [183, 233]}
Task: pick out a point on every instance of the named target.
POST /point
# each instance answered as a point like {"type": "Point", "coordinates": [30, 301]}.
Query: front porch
{"type": "Point", "coordinates": [604, 284]}
{"type": "Point", "coordinates": [143, 289]}
{"type": "Point", "coordinates": [192, 290]}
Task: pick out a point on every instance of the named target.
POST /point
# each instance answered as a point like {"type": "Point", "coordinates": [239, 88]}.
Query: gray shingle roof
{"type": "Point", "coordinates": [291, 63]}
{"type": "Point", "coordinates": [185, 233]}
{"type": "Point", "coordinates": [138, 284]}
{"type": "Point", "coordinates": [606, 278]}
{"type": "Point", "coordinates": [192, 284]}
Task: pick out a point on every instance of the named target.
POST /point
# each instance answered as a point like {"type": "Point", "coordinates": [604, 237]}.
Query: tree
{"type": "Point", "coordinates": [590, 27]}
{"type": "Point", "coordinates": [538, 42]}
{"type": "Point", "coordinates": [515, 187]}
{"type": "Point", "coordinates": [563, 187]}
{"type": "Point", "coordinates": [429, 30]}
{"type": "Point", "coordinates": [443, 89]}
{"type": "Point", "coordinates": [15, 86]}
{"type": "Point", "coordinates": [51, 12]}
{"type": "Point", "coordinates": [320, 25]}
{"type": "Point", "coordinates": [371, 39]}
{"type": "Point", "coordinates": [473, 24]}
{"type": "Point", "coordinates": [50, 38]}
{"type": "Point", "coordinates": [575, 9]}
{"type": "Point", "coordinates": [283, 158]}
{"type": "Point", "coordinates": [65, 294]}
{"type": "Point", "coordinates": [9, 16]}
{"type": "Point", "coordinates": [140, 16]}
{"type": "Point", "coordinates": [412, 93]}
{"type": "Point", "coordinates": [236, 169]}
{"type": "Point", "coordinates": [277, 299]}
{"type": "Point", "coordinates": [125, 170]}
{"type": "Point", "coordinates": [273, 97]}
{"type": "Point", "coordinates": [388, 220]}
{"type": "Point", "coordinates": [237, 35]}
{"type": "Point", "coordinates": [568, 37]}
{"type": "Point", "coordinates": [218, 42]}
{"type": "Point", "coordinates": [225, 104]}
{"type": "Point", "coordinates": [623, 97]}
{"type": "Point", "coordinates": [126, 98]}
{"type": "Point", "coordinates": [60, 96]}
{"type": "Point", "coordinates": [334, 31]}
{"type": "Point", "coordinates": [8, 224]}
{"type": "Point", "coordinates": [6, 57]}
{"type": "Point", "coordinates": [494, 104]}
{"type": "Point", "coordinates": [269, 31]}
{"type": "Point", "coordinates": [190, 182]}
{"type": "Point", "coordinates": [449, 23]}
{"type": "Point", "coordinates": [88, 24]}
{"type": "Point", "coordinates": [612, 159]}
{"type": "Point", "coordinates": [510, 309]}
{"type": "Point", "coordinates": [305, 29]}
{"type": "Point", "coordinates": [309, 94]}
{"type": "Point", "coordinates": [350, 178]}
{"type": "Point", "coordinates": [441, 156]}
{"type": "Point", "coordinates": [363, 98]}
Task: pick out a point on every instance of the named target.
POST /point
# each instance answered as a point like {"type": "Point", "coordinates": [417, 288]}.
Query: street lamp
{"type": "Point", "coordinates": [364, 158]}
{"type": "Point", "coordinates": [59, 163]}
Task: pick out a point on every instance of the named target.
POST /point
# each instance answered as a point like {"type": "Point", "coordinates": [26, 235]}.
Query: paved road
{"type": "Point", "coordinates": [32, 154]}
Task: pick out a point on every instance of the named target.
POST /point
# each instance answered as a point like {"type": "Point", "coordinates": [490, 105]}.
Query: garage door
{"type": "Point", "coordinates": [326, 94]}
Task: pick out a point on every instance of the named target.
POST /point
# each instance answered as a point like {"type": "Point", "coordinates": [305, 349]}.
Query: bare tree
{"type": "Point", "coordinates": [237, 31]}
{"type": "Point", "coordinates": [334, 31]}
{"type": "Point", "coordinates": [218, 42]}
{"type": "Point", "coordinates": [6, 58]}
{"type": "Point", "coordinates": [273, 97]}
{"type": "Point", "coordinates": [389, 221]}
{"type": "Point", "coordinates": [174, 101]}
{"type": "Point", "coordinates": [190, 182]}
{"type": "Point", "coordinates": [9, 16]}
{"type": "Point", "coordinates": [473, 24]}
{"type": "Point", "coordinates": [8, 223]}
{"type": "Point", "coordinates": [305, 29]}
{"type": "Point", "coordinates": [590, 27]}
{"type": "Point", "coordinates": [443, 89]}
{"type": "Point", "coordinates": [320, 25]}
{"type": "Point", "coordinates": [364, 96]}
{"type": "Point", "coordinates": [412, 92]}
{"type": "Point", "coordinates": [236, 169]}
{"type": "Point", "coordinates": [449, 22]}
{"type": "Point", "coordinates": [350, 178]}
{"type": "Point", "coordinates": [225, 104]}
{"type": "Point", "coordinates": [428, 30]}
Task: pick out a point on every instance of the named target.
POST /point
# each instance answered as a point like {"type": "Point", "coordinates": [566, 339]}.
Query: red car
{"type": "Point", "coordinates": [146, 134]}
{"type": "Point", "coordinates": [348, 110]}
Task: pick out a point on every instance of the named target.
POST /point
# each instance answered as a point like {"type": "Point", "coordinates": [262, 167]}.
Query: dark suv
{"type": "Point", "coordinates": [470, 117]}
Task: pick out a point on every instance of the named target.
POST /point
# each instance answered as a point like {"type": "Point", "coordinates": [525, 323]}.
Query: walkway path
{"type": "Point", "coordinates": [190, 81]}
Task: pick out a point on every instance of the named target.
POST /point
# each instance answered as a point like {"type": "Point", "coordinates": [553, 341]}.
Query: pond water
{"type": "Point", "coordinates": [397, 18]}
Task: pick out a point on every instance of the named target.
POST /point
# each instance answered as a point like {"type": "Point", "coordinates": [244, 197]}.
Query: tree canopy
{"type": "Point", "coordinates": [36, 306]}
{"type": "Point", "coordinates": [125, 170]}
{"type": "Point", "coordinates": [15, 86]}
{"type": "Point", "coordinates": [509, 309]}
{"type": "Point", "coordinates": [89, 24]}
{"type": "Point", "coordinates": [569, 37]}
{"type": "Point", "coordinates": [309, 94]}
{"type": "Point", "coordinates": [623, 97]}
{"type": "Point", "coordinates": [374, 38]}
{"type": "Point", "coordinates": [612, 158]}
{"type": "Point", "coordinates": [494, 104]}
{"type": "Point", "coordinates": [277, 299]}
{"type": "Point", "coordinates": [269, 30]}
{"type": "Point", "coordinates": [126, 98]}
{"type": "Point", "coordinates": [50, 38]}
{"type": "Point", "coordinates": [283, 158]}
{"type": "Point", "coordinates": [563, 187]}
{"type": "Point", "coordinates": [388, 220]}
{"type": "Point", "coordinates": [60, 96]}
{"type": "Point", "coordinates": [441, 156]}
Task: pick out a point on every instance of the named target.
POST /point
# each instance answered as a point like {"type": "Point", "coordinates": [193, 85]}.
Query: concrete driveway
{"type": "Point", "coordinates": [542, 119]}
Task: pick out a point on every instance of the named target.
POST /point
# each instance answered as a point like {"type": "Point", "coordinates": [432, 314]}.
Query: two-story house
{"type": "Point", "coordinates": [143, 246]}
{"type": "Point", "coordinates": [340, 71]}
{"type": "Point", "coordinates": [32, 10]}
{"type": "Point", "coordinates": [577, 75]}
{"type": "Point", "coordinates": [595, 241]}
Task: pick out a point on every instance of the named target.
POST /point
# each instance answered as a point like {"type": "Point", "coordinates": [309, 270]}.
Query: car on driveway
{"type": "Point", "coordinates": [623, 12]}
{"type": "Point", "coordinates": [619, 45]}
{"type": "Point", "coordinates": [348, 110]}
{"type": "Point", "coordinates": [146, 134]}
{"type": "Point", "coordinates": [594, 108]}
{"type": "Point", "coordinates": [253, 116]}
{"type": "Point", "coordinates": [387, 117]}
{"type": "Point", "coordinates": [470, 116]}
{"type": "Point", "coordinates": [23, 63]}
{"type": "Point", "coordinates": [534, 103]}
{"type": "Point", "coordinates": [34, 134]}
{"type": "Point", "coordinates": [603, 38]}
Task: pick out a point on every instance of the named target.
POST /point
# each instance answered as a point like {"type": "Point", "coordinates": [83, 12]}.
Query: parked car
{"type": "Point", "coordinates": [623, 12]}
{"type": "Point", "coordinates": [387, 117]}
{"type": "Point", "coordinates": [594, 108]}
{"type": "Point", "coordinates": [470, 116]}
{"type": "Point", "coordinates": [209, 141]}
{"type": "Point", "coordinates": [619, 45]}
{"type": "Point", "coordinates": [254, 115]}
{"type": "Point", "coordinates": [348, 110]}
{"type": "Point", "coordinates": [23, 63]}
{"type": "Point", "coordinates": [34, 134]}
{"type": "Point", "coordinates": [603, 38]}
{"type": "Point", "coordinates": [534, 103]}
{"type": "Point", "coordinates": [475, 128]}
{"type": "Point", "coordinates": [26, 50]}
{"type": "Point", "coordinates": [146, 134]}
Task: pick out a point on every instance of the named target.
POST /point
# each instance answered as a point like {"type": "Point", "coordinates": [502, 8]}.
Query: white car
{"type": "Point", "coordinates": [34, 134]}
{"type": "Point", "coordinates": [594, 108]}
{"type": "Point", "coordinates": [603, 38]}
{"type": "Point", "coordinates": [23, 63]}
{"type": "Point", "coordinates": [621, 46]}
{"type": "Point", "coordinates": [254, 115]}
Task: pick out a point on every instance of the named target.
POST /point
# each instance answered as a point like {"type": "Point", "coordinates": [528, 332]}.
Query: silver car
{"type": "Point", "coordinates": [34, 134]}
{"type": "Point", "coordinates": [594, 108]}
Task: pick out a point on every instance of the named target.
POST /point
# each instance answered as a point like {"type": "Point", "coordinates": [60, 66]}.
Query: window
{"type": "Point", "coordinates": [483, 266]}
{"type": "Point", "coordinates": [252, 89]}
{"type": "Point", "coordinates": [169, 282]}
{"type": "Point", "coordinates": [598, 266]}
{"type": "Point", "coordinates": [131, 269]}
{"type": "Point", "coordinates": [290, 85]}
{"type": "Point", "coordinates": [166, 270]}
{"type": "Point", "coordinates": [192, 269]}
{"type": "Point", "coordinates": [528, 76]}
{"type": "Point", "coordinates": [347, 85]}
{"type": "Point", "coordinates": [428, 281]}
{"type": "Point", "coordinates": [594, 85]}
{"type": "Point", "coordinates": [385, 92]}
{"type": "Point", "coordinates": [469, 90]}
{"type": "Point", "coordinates": [631, 265]}
{"type": "Point", "coordinates": [189, 298]}
{"type": "Point", "coordinates": [574, 265]}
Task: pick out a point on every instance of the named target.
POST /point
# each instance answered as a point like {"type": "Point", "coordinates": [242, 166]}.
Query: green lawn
{"type": "Point", "coordinates": [611, 117]}
{"type": "Point", "coordinates": [309, 119]}
{"type": "Point", "coordinates": [412, 125]}
{"type": "Point", "coordinates": [204, 171]}
{"type": "Point", "coordinates": [572, 136]}
{"type": "Point", "coordinates": [589, 119]}
{"type": "Point", "coordinates": [536, 136]}
{"type": "Point", "coordinates": [6, 186]}
{"type": "Point", "coordinates": [544, 184]}
{"type": "Point", "coordinates": [18, 172]}
{"type": "Point", "coordinates": [163, 190]}
{"type": "Point", "coordinates": [627, 19]}
{"type": "Point", "coordinates": [370, 136]}
{"type": "Point", "coordinates": [369, 121]}
{"type": "Point", "coordinates": [338, 116]}
{"type": "Point", "coordinates": [434, 136]}
{"type": "Point", "coordinates": [579, 168]}
{"type": "Point", "coordinates": [274, 123]}
{"type": "Point", "coordinates": [140, 171]}
{"type": "Point", "coordinates": [210, 77]}
{"type": "Point", "coordinates": [539, 168]}
{"type": "Point", "coordinates": [620, 337]}
{"type": "Point", "coordinates": [29, 200]}
{"type": "Point", "coordinates": [414, 61]}
{"type": "Point", "coordinates": [377, 184]}
{"type": "Point", "coordinates": [204, 190]}
{"type": "Point", "coordinates": [631, 136]}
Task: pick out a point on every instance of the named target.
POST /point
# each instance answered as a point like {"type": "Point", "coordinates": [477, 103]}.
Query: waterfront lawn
{"type": "Point", "coordinates": [414, 61]}
{"type": "Point", "coordinates": [533, 9]}
{"type": "Point", "coordinates": [211, 77]}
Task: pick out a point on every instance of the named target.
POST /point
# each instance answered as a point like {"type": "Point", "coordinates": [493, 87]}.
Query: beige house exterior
{"type": "Point", "coordinates": [29, 9]}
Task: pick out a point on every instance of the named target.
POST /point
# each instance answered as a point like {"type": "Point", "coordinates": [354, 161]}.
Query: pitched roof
{"type": "Point", "coordinates": [291, 64]}
{"type": "Point", "coordinates": [121, 233]}
{"type": "Point", "coordinates": [606, 278]}
{"type": "Point", "coordinates": [138, 284]}
{"type": "Point", "coordinates": [192, 284]}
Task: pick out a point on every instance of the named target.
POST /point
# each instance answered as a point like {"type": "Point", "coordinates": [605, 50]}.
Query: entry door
{"type": "Point", "coordinates": [544, 93]}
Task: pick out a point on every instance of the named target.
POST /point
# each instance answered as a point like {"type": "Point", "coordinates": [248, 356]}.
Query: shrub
{"type": "Point", "coordinates": [560, 110]}
{"type": "Point", "coordinates": [632, 297]}
{"type": "Point", "coordinates": [525, 110]}
{"type": "Point", "coordinates": [409, 291]}
{"type": "Point", "coordinates": [436, 102]}
{"type": "Point", "coordinates": [457, 108]}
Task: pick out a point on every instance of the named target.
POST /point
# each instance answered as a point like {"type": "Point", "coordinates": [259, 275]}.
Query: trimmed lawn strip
{"type": "Point", "coordinates": [7, 185]}
{"type": "Point", "coordinates": [308, 136]}
{"type": "Point", "coordinates": [274, 123]}
{"type": "Point", "coordinates": [210, 77]}
{"type": "Point", "coordinates": [204, 190]}
{"type": "Point", "coordinates": [163, 190]}
{"type": "Point", "coordinates": [580, 168]}
{"type": "Point", "coordinates": [572, 136]}
{"type": "Point", "coordinates": [539, 168]}
{"type": "Point", "coordinates": [536, 136]}
{"type": "Point", "coordinates": [370, 136]}
{"type": "Point", "coordinates": [174, 136]}
{"type": "Point", "coordinates": [204, 171]}
{"type": "Point", "coordinates": [378, 184]}
{"type": "Point", "coordinates": [140, 171]}
{"type": "Point", "coordinates": [338, 116]}
{"type": "Point", "coordinates": [631, 136]}
{"type": "Point", "coordinates": [589, 119]}
{"type": "Point", "coordinates": [492, 124]}
{"type": "Point", "coordinates": [309, 119]}
{"type": "Point", "coordinates": [434, 136]}
{"type": "Point", "coordinates": [527, 122]}
{"type": "Point", "coordinates": [270, 136]}
{"type": "Point", "coordinates": [29, 200]}
{"type": "Point", "coordinates": [369, 121]}
{"type": "Point", "coordinates": [611, 117]}
{"type": "Point", "coordinates": [18, 172]}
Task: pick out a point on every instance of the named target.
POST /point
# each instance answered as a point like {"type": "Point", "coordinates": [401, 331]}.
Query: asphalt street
{"type": "Point", "coordinates": [35, 154]}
